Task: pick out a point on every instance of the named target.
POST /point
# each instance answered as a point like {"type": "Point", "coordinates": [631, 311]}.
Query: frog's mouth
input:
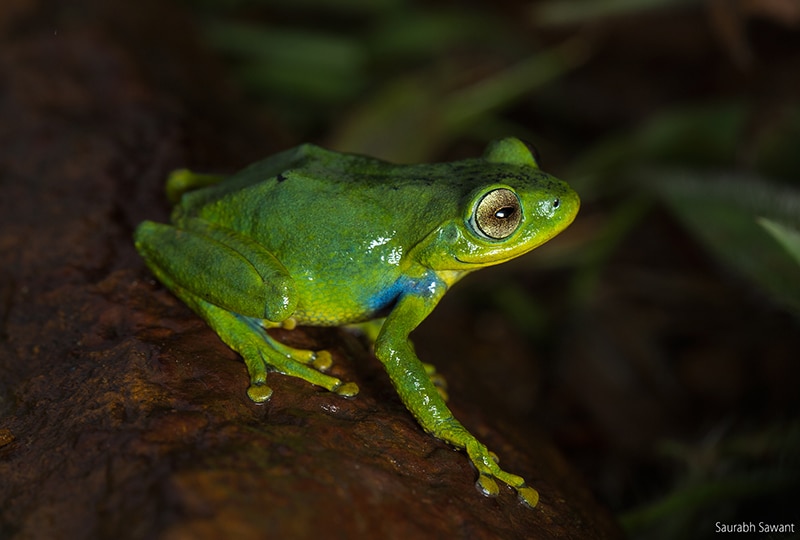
{"type": "Point", "coordinates": [488, 259]}
{"type": "Point", "coordinates": [499, 255]}
{"type": "Point", "coordinates": [480, 254]}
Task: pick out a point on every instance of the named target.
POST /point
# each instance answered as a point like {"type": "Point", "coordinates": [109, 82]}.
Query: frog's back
{"type": "Point", "coordinates": [342, 225]}
{"type": "Point", "coordinates": [345, 226]}
{"type": "Point", "coordinates": [336, 200]}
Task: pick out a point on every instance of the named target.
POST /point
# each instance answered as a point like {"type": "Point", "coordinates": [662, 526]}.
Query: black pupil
{"type": "Point", "coordinates": [505, 212]}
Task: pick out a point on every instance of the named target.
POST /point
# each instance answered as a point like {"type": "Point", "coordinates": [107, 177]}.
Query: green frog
{"type": "Point", "coordinates": [315, 237]}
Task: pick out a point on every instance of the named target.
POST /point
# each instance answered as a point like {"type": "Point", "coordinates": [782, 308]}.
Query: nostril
{"type": "Point", "coordinates": [556, 203]}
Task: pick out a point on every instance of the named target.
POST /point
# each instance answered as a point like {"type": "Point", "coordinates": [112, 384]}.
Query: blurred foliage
{"type": "Point", "coordinates": [748, 221]}
{"type": "Point", "coordinates": [788, 237]}
{"type": "Point", "coordinates": [393, 79]}
{"type": "Point", "coordinates": [577, 11]}
{"type": "Point", "coordinates": [724, 478]}
{"type": "Point", "coordinates": [751, 225]}
{"type": "Point", "coordinates": [413, 81]}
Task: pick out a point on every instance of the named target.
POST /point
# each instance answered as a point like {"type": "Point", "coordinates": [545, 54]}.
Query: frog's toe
{"type": "Point", "coordinates": [322, 360]}
{"type": "Point", "coordinates": [347, 389]}
{"type": "Point", "coordinates": [487, 486]}
{"type": "Point", "coordinates": [528, 496]}
{"type": "Point", "coordinates": [259, 393]}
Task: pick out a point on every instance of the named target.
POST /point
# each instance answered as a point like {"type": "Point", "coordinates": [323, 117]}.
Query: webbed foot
{"type": "Point", "coordinates": [486, 463]}
{"type": "Point", "coordinates": [489, 471]}
{"type": "Point", "coordinates": [264, 354]}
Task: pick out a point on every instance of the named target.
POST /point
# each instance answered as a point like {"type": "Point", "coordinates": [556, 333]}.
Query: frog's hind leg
{"type": "Point", "coordinates": [263, 353]}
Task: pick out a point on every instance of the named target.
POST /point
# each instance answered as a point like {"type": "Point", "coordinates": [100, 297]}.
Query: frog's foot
{"type": "Point", "coordinates": [486, 463]}
{"type": "Point", "coordinates": [437, 379]}
{"type": "Point", "coordinates": [262, 353]}
{"type": "Point", "coordinates": [320, 360]}
{"type": "Point", "coordinates": [489, 471]}
{"type": "Point", "coordinates": [267, 354]}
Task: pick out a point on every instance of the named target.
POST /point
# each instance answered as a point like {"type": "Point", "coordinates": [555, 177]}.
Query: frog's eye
{"type": "Point", "coordinates": [498, 214]}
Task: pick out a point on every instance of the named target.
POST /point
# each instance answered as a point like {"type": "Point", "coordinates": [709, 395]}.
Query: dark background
{"type": "Point", "coordinates": [655, 342]}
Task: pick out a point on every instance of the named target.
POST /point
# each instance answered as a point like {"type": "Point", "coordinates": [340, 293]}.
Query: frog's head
{"type": "Point", "coordinates": [507, 209]}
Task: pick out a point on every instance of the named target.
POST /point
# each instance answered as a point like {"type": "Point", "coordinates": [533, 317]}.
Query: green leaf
{"type": "Point", "coordinates": [788, 237]}
{"type": "Point", "coordinates": [722, 212]}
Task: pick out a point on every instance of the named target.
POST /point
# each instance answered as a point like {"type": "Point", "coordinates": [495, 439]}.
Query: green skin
{"type": "Point", "coordinates": [314, 237]}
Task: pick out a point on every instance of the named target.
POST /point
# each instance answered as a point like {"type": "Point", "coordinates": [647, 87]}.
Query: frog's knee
{"type": "Point", "coordinates": [280, 300]}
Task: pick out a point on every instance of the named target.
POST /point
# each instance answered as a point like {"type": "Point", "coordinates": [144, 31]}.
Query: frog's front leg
{"type": "Point", "coordinates": [371, 330]}
{"type": "Point", "coordinates": [419, 394]}
{"type": "Point", "coordinates": [240, 290]}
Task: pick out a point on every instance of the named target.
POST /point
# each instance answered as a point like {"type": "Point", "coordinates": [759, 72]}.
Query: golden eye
{"type": "Point", "coordinates": [498, 214]}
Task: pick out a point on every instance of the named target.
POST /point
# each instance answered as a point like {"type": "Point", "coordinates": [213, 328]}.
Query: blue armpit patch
{"type": "Point", "coordinates": [427, 286]}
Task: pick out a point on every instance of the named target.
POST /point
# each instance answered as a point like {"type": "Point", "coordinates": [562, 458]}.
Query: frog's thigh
{"type": "Point", "coordinates": [220, 267]}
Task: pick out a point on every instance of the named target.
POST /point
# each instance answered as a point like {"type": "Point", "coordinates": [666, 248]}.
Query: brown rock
{"type": "Point", "coordinates": [121, 414]}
